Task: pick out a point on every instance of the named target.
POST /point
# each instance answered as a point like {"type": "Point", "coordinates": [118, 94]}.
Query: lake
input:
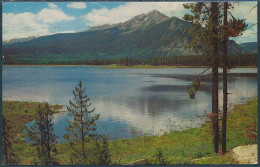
{"type": "Point", "coordinates": [130, 101]}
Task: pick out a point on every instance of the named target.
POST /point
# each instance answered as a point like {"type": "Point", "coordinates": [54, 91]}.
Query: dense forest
{"type": "Point", "coordinates": [238, 60]}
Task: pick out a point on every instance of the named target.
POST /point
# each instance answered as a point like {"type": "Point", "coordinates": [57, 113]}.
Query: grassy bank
{"type": "Point", "coordinates": [46, 65]}
{"type": "Point", "coordinates": [19, 113]}
{"type": "Point", "coordinates": [191, 146]}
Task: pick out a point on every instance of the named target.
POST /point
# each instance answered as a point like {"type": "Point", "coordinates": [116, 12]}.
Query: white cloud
{"type": "Point", "coordinates": [22, 25]}
{"type": "Point", "coordinates": [26, 24]}
{"type": "Point", "coordinates": [52, 5]}
{"type": "Point", "coordinates": [250, 35]}
{"type": "Point", "coordinates": [131, 9]}
{"type": "Point", "coordinates": [245, 10]}
{"type": "Point", "coordinates": [53, 15]}
{"type": "Point", "coordinates": [127, 11]}
{"type": "Point", "coordinates": [77, 5]}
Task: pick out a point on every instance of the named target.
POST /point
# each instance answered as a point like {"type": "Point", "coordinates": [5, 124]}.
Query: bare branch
{"type": "Point", "coordinates": [204, 71]}
{"type": "Point", "coordinates": [252, 9]}
{"type": "Point", "coordinates": [231, 15]}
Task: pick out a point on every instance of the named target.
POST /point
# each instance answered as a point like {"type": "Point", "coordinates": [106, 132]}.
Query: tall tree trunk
{"type": "Point", "coordinates": [82, 124]}
{"type": "Point", "coordinates": [225, 95]}
{"type": "Point", "coordinates": [215, 126]}
{"type": "Point", "coordinates": [82, 138]}
{"type": "Point", "coordinates": [48, 140]}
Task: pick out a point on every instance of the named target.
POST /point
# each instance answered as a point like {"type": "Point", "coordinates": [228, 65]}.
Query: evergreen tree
{"type": "Point", "coordinates": [214, 54]}
{"type": "Point", "coordinates": [43, 137]}
{"type": "Point", "coordinates": [81, 129]}
{"type": "Point", "coordinates": [225, 96]}
{"type": "Point", "coordinates": [205, 20]}
{"type": "Point", "coordinates": [104, 156]}
{"type": "Point", "coordinates": [230, 28]}
{"type": "Point", "coordinates": [8, 154]}
{"type": "Point", "coordinates": [211, 30]}
{"type": "Point", "coordinates": [100, 154]}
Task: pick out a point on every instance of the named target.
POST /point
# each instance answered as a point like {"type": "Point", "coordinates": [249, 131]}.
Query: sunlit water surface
{"type": "Point", "coordinates": [146, 101]}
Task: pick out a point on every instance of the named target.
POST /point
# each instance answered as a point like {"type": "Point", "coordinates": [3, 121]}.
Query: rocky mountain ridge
{"type": "Point", "coordinates": [143, 37]}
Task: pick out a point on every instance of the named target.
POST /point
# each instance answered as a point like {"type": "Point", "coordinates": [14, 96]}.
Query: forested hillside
{"type": "Point", "coordinates": [141, 38]}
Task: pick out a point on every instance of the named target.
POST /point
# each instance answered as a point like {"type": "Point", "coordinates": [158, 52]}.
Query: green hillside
{"type": "Point", "coordinates": [141, 38]}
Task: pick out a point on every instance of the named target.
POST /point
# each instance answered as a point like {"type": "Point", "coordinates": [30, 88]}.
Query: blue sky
{"type": "Point", "coordinates": [25, 19]}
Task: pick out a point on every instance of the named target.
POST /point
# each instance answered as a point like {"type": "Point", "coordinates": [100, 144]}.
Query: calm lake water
{"type": "Point", "coordinates": [148, 101]}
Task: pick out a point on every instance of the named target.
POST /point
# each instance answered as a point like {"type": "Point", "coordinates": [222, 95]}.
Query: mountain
{"type": "Point", "coordinates": [142, 37]}
{"type": "Point", "coordinates": [234, 48]}
{"type": "Point", "coordinates": [19, 40]}
{"type": "Point", "coordinates": [249, 47]}
{"type": "Point", "coordinates": [144, 20]}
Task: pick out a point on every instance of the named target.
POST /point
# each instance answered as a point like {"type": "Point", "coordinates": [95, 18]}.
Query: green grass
{"type": "Point", "coordinates": [47, 65]}
{"type": "Point", "coordinates": [226, 159]}
{"type": "Point", "coordinates": [181, 146]}
{"type": "Point", "coordinates": [18, 114]}
{"type": "Point", "coordinates": [191, 146]}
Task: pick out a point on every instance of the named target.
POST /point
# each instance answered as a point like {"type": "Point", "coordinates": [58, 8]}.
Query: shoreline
{"type": "Point", "coordinates": [61, 109]}
{"type": "Point", "coordinates": [185, 145]}
{"type": "Point", "coordinates": [114, 66]}
{"type": "Point", "coordinates": [184, 140]}
{"type": "Point", "coordinates": [43, 65]}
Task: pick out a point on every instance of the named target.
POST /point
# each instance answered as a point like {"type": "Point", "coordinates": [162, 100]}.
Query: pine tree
{"type": "Point", "coordinates": [206, 40]}
{"type": "Point", "coordinates": [211, 31]}
{"type": "Point", "coordinates": [214, 54]}
{"type": "Point", "coordinates": [104, 156]}
{"type": "Point", "coordinates": [43, 137]}
{"type": "Point", "coordinates": [230, 28]}
{"type": "Point", "coordinates": [81, 129]}
{"type": "Point", "coordinates": [8, 154]}
{"type": "Point", "coordinates": [225, 96]}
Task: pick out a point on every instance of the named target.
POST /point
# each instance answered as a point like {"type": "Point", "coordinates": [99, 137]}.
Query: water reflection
{"type": "Point", "coordinates": [150, 101]}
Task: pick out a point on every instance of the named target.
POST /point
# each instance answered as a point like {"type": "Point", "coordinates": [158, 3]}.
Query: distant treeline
{"type": "Point", "coordinates": [238, 60]}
